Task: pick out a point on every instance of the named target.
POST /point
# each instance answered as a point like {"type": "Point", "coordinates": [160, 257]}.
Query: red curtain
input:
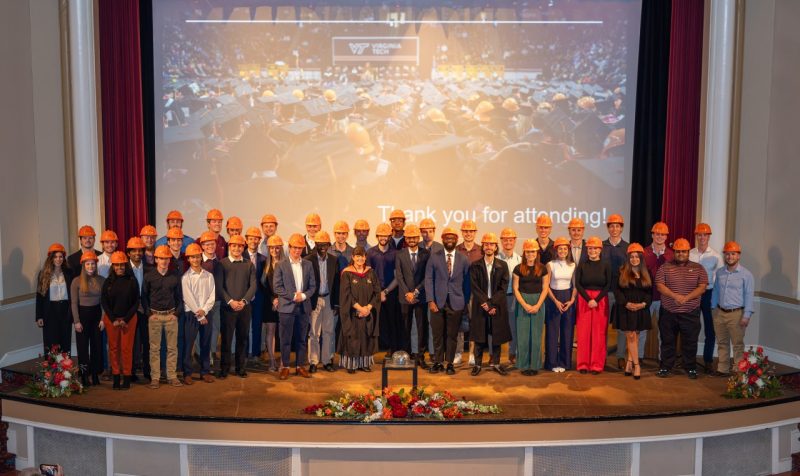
{"type": "Point", "coordinates": [121, 99]}
{"type": "Point", "coordinates": [678, 208]}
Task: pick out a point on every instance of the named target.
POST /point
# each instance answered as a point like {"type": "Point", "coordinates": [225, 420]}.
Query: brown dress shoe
{"type": "Point", "coordinates": [301, 371]}
{"type": "Point", "coordinates": [175, 383]}
{"type": "Point", "coordinates": [284, 373]}
{"type": "Point", "coordinates": [188, 380]}
{"type": "Point", "coordinates": [208, 378]}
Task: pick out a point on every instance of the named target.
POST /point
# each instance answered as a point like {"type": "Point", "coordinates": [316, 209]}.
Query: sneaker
{"type": "Point", "coordinates": [561, 369]}
{"type": "Point", "coordinates": [457, 359]}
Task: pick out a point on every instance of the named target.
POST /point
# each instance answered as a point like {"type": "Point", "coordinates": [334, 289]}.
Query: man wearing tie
{"type": "Point", "coordinates": [447, 293]}
{"type": "Point", "coordinates": [293, 284]}
{"type": "Point", "coordinates": [410, 276]}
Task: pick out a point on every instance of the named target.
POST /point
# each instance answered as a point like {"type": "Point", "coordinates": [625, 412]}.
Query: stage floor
{"type": "Point", "coordinates": [546, 397]}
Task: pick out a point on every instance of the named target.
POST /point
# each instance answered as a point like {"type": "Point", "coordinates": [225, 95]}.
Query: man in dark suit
{"type": "Point", "coordinates": [577, 245]}
{"type": "Point", "coordinates": [447, 293]}
{"type": "Point", "coordinates": [410, 276]}
{"type": "Point", "coordinates": [253, 238]}
{"type": "Point", "coordinates": [293, 284]}
{"type": "Point", "coordinates": [324, 304]}
{"type": "Point", "coordinates": [238, 290]}
{"type": "Point", "coordinates": [489, 317]}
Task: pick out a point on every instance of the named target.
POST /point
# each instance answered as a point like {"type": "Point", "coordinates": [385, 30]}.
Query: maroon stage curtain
{"type": "Point", "coordinates": [121, 99]}
{"type": "Point", "coordinates": [679, 205]}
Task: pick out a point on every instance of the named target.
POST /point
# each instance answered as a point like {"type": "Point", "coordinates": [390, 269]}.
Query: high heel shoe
{"type": "Point", "coordinates": [637, 377]}
{"type": "Point", "coordinates": [628, 373]}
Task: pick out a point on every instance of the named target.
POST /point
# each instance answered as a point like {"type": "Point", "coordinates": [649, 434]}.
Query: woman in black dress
{"type": "Point", "coordinates": [632, 307]}
{"type": "Point", "coordinates": [270, 317]}
{"type": "Point", "coordinates": [360, 302]}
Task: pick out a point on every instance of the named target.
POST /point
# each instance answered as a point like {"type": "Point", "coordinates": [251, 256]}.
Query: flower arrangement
{"type": "Point", "coordinates": [754, 377]}
{"type": "Point", "coordinates": [392, 404]}
{"type": "Point", "coordinates": [56, 376]}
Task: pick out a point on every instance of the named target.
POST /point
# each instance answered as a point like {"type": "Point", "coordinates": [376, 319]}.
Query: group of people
{"type": "Point", "coordinates": [160, 305]}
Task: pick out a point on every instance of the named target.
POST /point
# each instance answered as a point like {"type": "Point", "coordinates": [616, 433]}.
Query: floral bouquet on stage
{"type": "Point", "coordinates": [754, 377]}
{"type": "Point", "coordinates": [56, 376]}
{"type": "Point", "coordinates": [392, 404]}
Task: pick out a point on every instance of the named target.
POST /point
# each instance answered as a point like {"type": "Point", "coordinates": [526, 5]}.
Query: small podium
{"type": "Point", "coordinates": [400, 361]}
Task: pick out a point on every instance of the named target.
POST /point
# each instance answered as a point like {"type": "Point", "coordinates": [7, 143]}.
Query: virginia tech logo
{"type": "Point", "coordinates": [358, 48]}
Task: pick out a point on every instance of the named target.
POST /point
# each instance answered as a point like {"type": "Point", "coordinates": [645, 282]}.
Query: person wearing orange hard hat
{"type": "Point", "coordinates": [593, 282]}
{"type": "Point", "coordinates": [120, 299]}
{"type": "Point", "coordinates": [109, 243]}
{"type": "Point", "coordinates": [175, 220]}
{"type": "Point", "coordinates": [615, 251]}
{"type": "Point", "coordinates": [397, 220]}
{"type": "Point", "coordinates": [148, 234]}
{"type": "Point", "coordinates": [214, 220]}
{"type": "Point", "coordinates": [655, 255]}
{"type": "Point", "coordinates": [87, 314]}
{"type": "Point", "coordinates": [324, 304]}
{"type": "Point", "coordinates": [313, 225]}
{"type": "Point", "coordinates": [269, 226]}
{"type": "Point", "coordinates": [508, 242]}
{"type": "Point", "coordinates": [234, 226]}
{"type": "Point", "coordinates": [270, 317]}
{"type": "Point", "coordinates": [211, 262]}
{"type": "Point", "coordinates": [340, 248]}
{"type": "Point", "coordinates": [711, 261]}
{"type": "Point", "coordinates": [199, 298]}
{"type": "Point", "coordinates": [577, 244]}
{"type": "Point", "coordinates": [86, 237]}
{"type": "Point", "coordinates": [680, 283]}
{"type": "Point", "coordinates": [253, 238]}
{"type": "Point", "coordinates": [135, 249]}
{"type": "Point", "coordinates": [175, 244]}
{"type": "Point", "coordinates": [382, 258]}
{"type": "Point", "coordinates": [473, 251]}
{"type": "Point", "coordinates": [238, 281]}
{"type": "Point", "coordinates": [544, 226]}
{"type": "Point", "coordinates": [733, 296]}
{"type": "Point", "coordinates": [560, 308]}
{"type": "Point", "coordinates": [530, 281]}
{"type": "Point", "coordinates": [632, 307]}
{"type": "Point", "coordinates": [410, 274]}
{"type": "Point", "coordinates": [52, 310]}
{"type": "Point", "coordinates": [361, 232]}
{"type": "Point", "coordinates": [427, 228]}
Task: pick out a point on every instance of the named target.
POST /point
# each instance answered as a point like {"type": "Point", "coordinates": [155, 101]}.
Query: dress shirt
{"type": "Point", "coordinates": [734, 289]}
{"type": "Point", "coordinates": [199, 291]}
{"type": "Point", "coordinates": [253, 255]}
{"type": "Point", "coordinates": [138, 272]}
{"type": "Point", "coordinates": [297, 272]}
{"type": "Point", "coordinates": [710, 260]}
{"type": "Point", "coordinates": [103, 264]}
{"type": "Point", "coordinates": [58, 288]}
{"type": "Point", "coordinates": [489, 265]}
{"type": "Point", "coordinates": [513, 260]}
{"type": "Point", "coordinates": [576, 252]}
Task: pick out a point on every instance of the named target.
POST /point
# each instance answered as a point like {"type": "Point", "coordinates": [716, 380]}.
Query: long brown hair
{"type": "Point", "coordinates": [46, 274]}
{"type": "Point", "coordinates": [85, 278]}
{"type": "Point", "coordinates": [627, 276]}
{"type": "Point", "coordinates": [538, 267]}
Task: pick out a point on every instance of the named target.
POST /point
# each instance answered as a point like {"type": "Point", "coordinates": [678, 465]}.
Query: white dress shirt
{"type": "Point", "coordinates": [103, 264]}
{"type": "Point", "coordinates": [297, 272]}
{"type": "Point", "coordinates": [58, 287]}
{"type": "Point", "coordinates": [199, 291]}
{"type": "Point", "coordinates": [710, 260]}
{"type": "Point", "coordinates": [512, 261]}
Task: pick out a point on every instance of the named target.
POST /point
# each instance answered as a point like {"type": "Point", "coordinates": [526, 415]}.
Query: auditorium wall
{"type": "Point", "coordinates": [767, 219]}
{"type": "Point", "coordinates": [33, 209]}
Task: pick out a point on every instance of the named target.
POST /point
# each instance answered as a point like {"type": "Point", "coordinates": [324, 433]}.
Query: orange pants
{"type": "Point", "coordinates": [590, 327]}
{"type": "Point", "coordinates": [120, 345]}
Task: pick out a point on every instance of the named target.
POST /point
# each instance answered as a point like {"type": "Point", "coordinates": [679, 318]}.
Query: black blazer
{"type": "Point", "coordinates": [261, 263]}
{"type": "Point", "coordinates": [408, 277]}
{"type": "Point", "coordinates": [332, 273]}
{"type": "Point", "coordinates": [479, 284]}
{"type": "Point", "coordinates": [43, 302]}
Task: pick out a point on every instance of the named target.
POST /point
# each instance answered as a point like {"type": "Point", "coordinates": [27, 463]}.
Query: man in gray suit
{"type": "Point", "coordinates": [294, 284]}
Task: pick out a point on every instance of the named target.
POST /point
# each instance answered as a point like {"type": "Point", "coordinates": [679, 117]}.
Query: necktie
{"type": "Point", "coordinates": [414, 259]}
{"type": "Point", "coordinates": [449, 264]}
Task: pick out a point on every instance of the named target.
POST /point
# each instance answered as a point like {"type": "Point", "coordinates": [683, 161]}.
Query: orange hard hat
{"type": "Point", "coordinates": [313, 219]}
{"type": "Point", "coordinates": [214, 214]}
{"type": "Point", "coordinates": [412, 231]}
{"type": "Point", "coordinates": [269, 218]}
{"type": "Point", "coordinates": [329, 95]}
{"type": "Point", "coordinates": [544, 220]}
{"type": "Point", "coordinates": [56, 248]}
{"type": "Point", "coordinates": [341, 227]}
{"type": "Point", "coordinates": [661, 228]}
{"type": "Point", "coordinates": [560, 241]}
{"type": "Point", "coordinates": [510, 105]}
{"type": "Point", "coordinates": [297, 241]}
{"type": "Point", "coordinates": [482, 111]}
{"type": "Point", "coordinates": [118, 257]}
{"type": "Point", "coordinates": [397, 214]}
{"type": "Point", "coordinates": [508, 233]}
{"type": "Point", "coordinates": [635, 248]}
{"type": "Point", "coordinates": [148, 230]}
{"type": "Point", "coordinates": [174, 215]}
{"type": "Point", "coordinates": [234, 223]}
{"type": "Point", "coordinates": [88, 256]}
{"type": "Point", "coordinates": [361, 225]}
{"type": "Point", "coordinates": [383, 229]}
{"type": "Point", "coordinates": [163, 252]}
{"type": "Point", "coordinates": [108, 235]}
{"type": "Point", "coordinates": [449, 230]}
{"type": "Point", "coordinates": [253, 231]}
{"type": "Point", "coordinates": [681, 244]}
{"type": "Point", "coordinates": [275, 240]}
{"type": "Point", "coordinates": [135, 242]}
{"type": "Point", "coordinates": [359, 137]}
{"type": "Point", "coordinates": [207, 236]}
{"type": "Point", "coordinates": [576, 223]}
{"type": "Point", "coordinates": [615, 218]}
{"type": "Point", "coordinates": [436, 115]}
{"type": "Point", "coordinates": [732, 247]}
{"type": "Point", "coordinates": [594, 242]}
{"type": "Point", "coordinates": [193, 250]}
{"type": "Point", "coordinates": [530, 245]}
{"type": "Point", "coordinates": [298, 93]}
{"type": "Point", "coordinates": [237, 240]}
{"type": "Point", "coordinates": [490, 238]}
{"type": "Point", "coordinates": [427, 223]}
{"type": "Point", "coordinates": [702, 228]}
{"type": "Point", "coordinates": [469, 225]}
{"type": "Point", "coordinates": [175, 232]}
{"type": "Point", "coordinates": [86, 230]}
{"type": "Point", "coordinates": [322, 237]}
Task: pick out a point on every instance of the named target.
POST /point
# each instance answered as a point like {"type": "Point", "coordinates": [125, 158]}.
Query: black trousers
{"type": "Point", "coordinates": [494, 357]}
{"type": "Point", "coordinates": [57, 328]}
{"type": "Point", "coordinates": [444, 325]}
{"type": "Point", "coordinates": [90, 342]}
{"type": "Point", "coordinates": [687, 325]}
{"type": "Point", "coordinates": [415, 313]}
{"type": "Point", "coordinates": [391, 323]}
{"type": "Point", "coordinates": [234, 322]}
{"type": "Point", "coordinates": [141, 346]}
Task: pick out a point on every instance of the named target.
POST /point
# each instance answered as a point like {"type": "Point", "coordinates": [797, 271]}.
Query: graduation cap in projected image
{"type": "Point", "coordinates": [226, 99]}
{"type": "Point", "coordinates": [259, 117]}
{"type": "Point", "coordinates": [296, 131]}
{"type": "Point", "coordinates": [187, 133]}
{"type": "Point", "coordinates": [227, 118]}
{"type": "Point", "coordinates": [287, 99]}
{"type": "Point", "coordinates": [443, 145]}
{"type": "Point", "coordinates": [318, 108]}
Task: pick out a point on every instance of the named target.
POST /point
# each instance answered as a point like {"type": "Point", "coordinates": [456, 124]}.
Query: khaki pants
{"type": "Point", "coordinates": [322, 325]}
{"type": "Point", "coordinates": [155, 326]}
{"type": "Point", "coordinates": [729, 332]}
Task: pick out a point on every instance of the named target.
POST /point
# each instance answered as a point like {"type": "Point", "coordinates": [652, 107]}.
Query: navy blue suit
{"type": "Point", "coordinates": [293, 317]}
{"type": "Point", "coordinates": [450, 293]}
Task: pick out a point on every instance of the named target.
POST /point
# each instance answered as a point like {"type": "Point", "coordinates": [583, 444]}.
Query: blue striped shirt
{"type": "Point", "coordinates": [734, 289]}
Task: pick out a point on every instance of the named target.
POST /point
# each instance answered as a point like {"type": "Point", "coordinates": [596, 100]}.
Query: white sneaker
{"type": "Point", "coordinates": [556, 369]}
{"type": "Point", "coordinates": [559, 369]}
{"type": "Point", "coordinates": [471, 360]}
{"type": "Point", "coordinates": [457, 359]}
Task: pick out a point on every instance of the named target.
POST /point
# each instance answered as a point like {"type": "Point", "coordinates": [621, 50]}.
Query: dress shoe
{"type": "Point", "coordinates": [188, 380]}
{"type": "Point", "coordinates": [329, 367]}
{"type": "Point", "coordinates": [222, 375]}
{"type": "Point", "coordinates": [434, 369]}
{"type": "Point", "coordinates": [499, 369]}
{"type": "Point", "coordinates": [208, 378]}
{"type": "Point", "coordinates": [301, 371]}
{"type": "Point", "coordinates": [154, 384]}
{"type": "Point", "coordinates": [583, 371]}
{"type": "Point", "coordinates": [475, 370]}
{"type": "Point", "coordinates": [175, 383]}
{"type": "Point", "coordinates": [663, 373]}
{"type": "Point", "coordinates": [450, 370]}
{"type": "Point", "coordinates": [312, 368]}
{"type": "Point", "coordinates": [242, 373]}
{"type": "Point", "coordinates": [692, 374]}
{"type": "Point", "coordinates": [422, 364]}
{"type": "Point", "coordinates": [284, 374]}
{"type": "Point", "coordinates": [126, 383]}
{"type": "Point", "coordinates": [116, 382]}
